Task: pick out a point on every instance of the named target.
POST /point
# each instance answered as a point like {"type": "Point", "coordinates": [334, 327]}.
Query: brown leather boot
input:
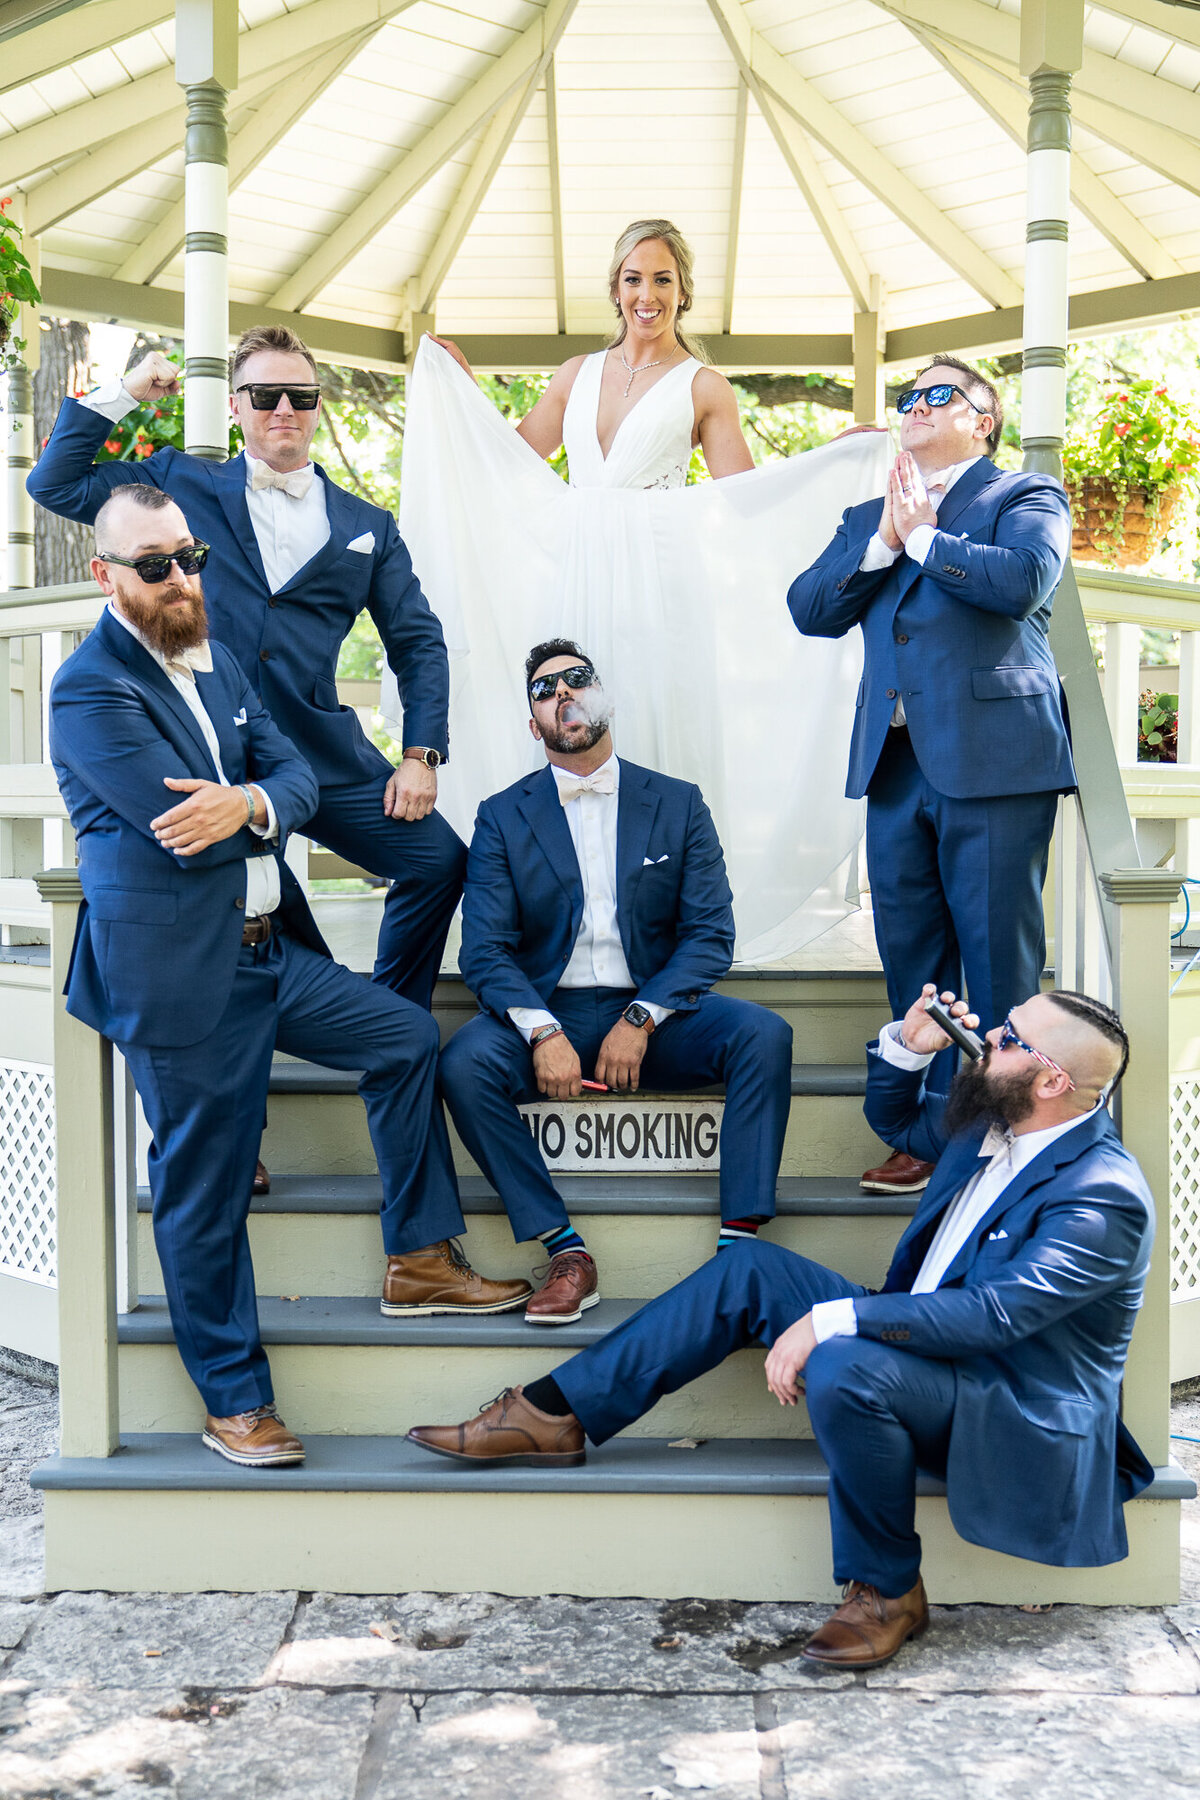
{"type": "Point", "coordinates": [570, 1287]}
{"type": "Point", "coordinates": [867, 1629]}
{"type": "Point", "coordinates": [262, 1178]}
{"type": "Point", "coordinates": [508, 1430]}
{"type": "Point", "coordinates": [257, 1439]}
{"type": "Point", "coordinates": [439, 1279]}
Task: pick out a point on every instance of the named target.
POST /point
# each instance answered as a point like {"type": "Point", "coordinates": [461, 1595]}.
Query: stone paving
{"type": "Point", "coordinates": [469, 1697]}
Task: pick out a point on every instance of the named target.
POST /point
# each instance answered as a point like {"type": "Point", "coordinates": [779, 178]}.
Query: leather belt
{"type": "Point", "coordinates": [257, 931]}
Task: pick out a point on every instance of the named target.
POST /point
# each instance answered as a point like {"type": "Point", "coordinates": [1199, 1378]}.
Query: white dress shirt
{"type": "Point", "coordinates": [879, 555]}
{"type": "Point", "coordinates": [1006, 1155]}
{"type": "Point", "coordinates": [262, 874]}
{"type": "Point", "coordinates": [598, 959]}
{"type": "Point", "coordinates": [288, 531]}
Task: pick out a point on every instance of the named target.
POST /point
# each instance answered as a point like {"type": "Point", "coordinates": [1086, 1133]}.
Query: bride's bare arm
{"type": "Point", "coordinates": [542, 426]}
{"type": "Point", "coordinates": [726, 451]}
{"type": "Point", "coordinates": [449, 345]}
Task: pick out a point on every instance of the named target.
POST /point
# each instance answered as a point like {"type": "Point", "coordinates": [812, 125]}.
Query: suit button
{"type": "Point", "coordinates": [902, 639]}
{"type": "Point", "coordinates": [264, 656]}
{"type": "Point", "coordinates": [841, 584]}
{"type": "Point", "coordinates": [891, 693]}
{"type": "Point", "coordinates": [239, 904]}
{"type": "Point", "coordinates": [692, 998]}
{"type": "Point", "coordinates": [272, 601]}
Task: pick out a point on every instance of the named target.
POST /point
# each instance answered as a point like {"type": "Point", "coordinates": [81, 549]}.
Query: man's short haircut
{"type": "Point", "coordinates": [552, 647]}
{"type": "Point", "coordinates": [269, 337]}
{"type": "Point", "coordinates": [1101, 1018]}
{"type": "Point", "coordinates": [130, 493]}
{"type": "Point", "coordinates": [977, 385]}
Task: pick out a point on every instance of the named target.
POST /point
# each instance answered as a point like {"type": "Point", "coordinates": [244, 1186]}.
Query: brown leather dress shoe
{"type": "Point", "coordinates": [439, 1279]}
{"type": "Point", "coordinates": [900, 1174]}
{"type": "Point", "coordinates": [570, 1287]}
{"type": "Point", "coordinates": [257, 1440]}
{"type": "Point", "coordinates": [262, 1180]}
{"type": "Point", "coordinates": [868, 1629]}
{"type": "Point", "coordinates": [508, 1430]}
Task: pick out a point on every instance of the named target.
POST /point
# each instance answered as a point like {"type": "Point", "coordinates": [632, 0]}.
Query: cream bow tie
{"type": "Point", "coordinates": [188, 662]}
{"type": "Point", "coordinates": [998, 1143]}
{"type": "Point", "coordinates": [296, 482]}
{"type": "Point", "coordinates": [602, 782]}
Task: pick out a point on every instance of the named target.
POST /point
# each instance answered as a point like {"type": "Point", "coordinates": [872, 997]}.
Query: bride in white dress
{"type": "Point", "coordinates": [678, 594]}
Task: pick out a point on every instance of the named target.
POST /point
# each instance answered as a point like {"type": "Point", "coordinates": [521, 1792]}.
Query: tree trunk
{"type": "Point", "coordinates": [62, 550]}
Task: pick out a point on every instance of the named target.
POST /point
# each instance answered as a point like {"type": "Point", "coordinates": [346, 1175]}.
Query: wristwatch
{"type": "Point", "coordinates": [431, 758]}
{"type": "Point", "coordinates": [639, 1016]}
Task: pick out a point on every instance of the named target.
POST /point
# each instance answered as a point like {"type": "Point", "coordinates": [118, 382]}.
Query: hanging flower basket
{"type": "Point", "coordinates": [1122, 527]}
{"type": "Point", "coordinates": [16, 286]}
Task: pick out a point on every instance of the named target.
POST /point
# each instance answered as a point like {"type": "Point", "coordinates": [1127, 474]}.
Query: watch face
{"type": "Point", "coordinates": [636, 1015]}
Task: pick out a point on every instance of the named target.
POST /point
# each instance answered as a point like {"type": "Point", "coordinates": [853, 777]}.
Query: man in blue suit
{"type": "Point", "coordinates": [992, 1356]}
{"type": "Point", "coordinates": [196, 953]}
{"type": "Point", "coordinates": [293, 561]}
{"type": "Point", "coordinates": [596, 918]}
{"type": "Point", "coordinates": [960, 740]}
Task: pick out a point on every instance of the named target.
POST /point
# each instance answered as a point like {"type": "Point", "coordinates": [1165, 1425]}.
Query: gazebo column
{"type": "Point", "coordinates": [206, 69]}
{"type": "Point", "coordinates": [868, 340]}
{"type": "Point", "coordinates": [1051, 48]}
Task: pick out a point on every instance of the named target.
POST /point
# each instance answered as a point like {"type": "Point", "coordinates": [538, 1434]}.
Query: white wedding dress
{"type": "Point", "coordinates": [677, 593]}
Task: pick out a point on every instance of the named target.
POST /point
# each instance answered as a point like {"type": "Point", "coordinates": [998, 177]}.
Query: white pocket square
{"type": "Point", "coordinates": [365, 543]}
{"type": "Point", "coordinates": [650, 862]}
{"type": "Point", "coordinates": [240, 718]}
{"type": "Point", "coordinates": [994, 1237]}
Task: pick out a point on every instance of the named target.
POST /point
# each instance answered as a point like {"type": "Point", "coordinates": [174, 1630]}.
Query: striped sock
{"type": "Point", "coordinates": [733, 1230]}
{"type": "Point", "coordinates": [563, 1237]}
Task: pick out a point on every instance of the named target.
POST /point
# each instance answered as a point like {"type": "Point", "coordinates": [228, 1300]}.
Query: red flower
{"type": "Point", "coordinates": [7, 201]}
{"type": "Point", "coordinates": [112, 445]}
{"type": "Point", "coordinates": [1161, 393]}
{"type": "Point", "coordinates": [1121, 430]}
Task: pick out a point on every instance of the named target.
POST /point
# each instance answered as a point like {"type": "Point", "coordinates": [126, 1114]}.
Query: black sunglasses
{"type": "Point", "coordinates": [939, 395]}
{"type": "Point", "coordinates": [544, 687]}
{"type": "Point", "coordinates": [265, 397]}
{"type": "Point", "coordinates": [190, 560]}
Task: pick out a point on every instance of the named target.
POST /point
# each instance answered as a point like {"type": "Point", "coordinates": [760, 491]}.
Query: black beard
{"type": "Point", "coordinates": [573, 739]}
{"type": "Point", "coordinates": [167, 630]}
{"type": "Point", "coordinates": [979, 1098]}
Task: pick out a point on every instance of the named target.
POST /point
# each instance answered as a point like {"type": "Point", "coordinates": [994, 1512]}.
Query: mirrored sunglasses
{"type": "Point", "coordinates": [940, 394]}
{"type": "Point", "coordinates": [1008, 1037]}
{"type": "Point", "coordinates": [152, 569]}
{"type": "Point", "coordinates": [544, 687]}
{"type": "Point", "coordinates": [265, 397]}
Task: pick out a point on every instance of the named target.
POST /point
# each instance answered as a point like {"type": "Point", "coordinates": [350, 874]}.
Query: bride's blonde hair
{"type": "Point", "coordinates": [677, 244]}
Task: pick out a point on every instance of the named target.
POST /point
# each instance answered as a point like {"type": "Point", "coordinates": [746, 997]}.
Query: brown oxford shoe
{"type": "Point", "coordinates": [900, 1174]}
{"type": "Point", "coordinates": [257, 1440]}
{"type": "Point", "coordinates": [508, 1430]}
{"type": "Point", "coordinates": [439, 1279]}
{"type": "Point", "coordinates": [262, 1180]}
{"type": "Point", "coordinates": [570, 1287]}
{"type": "Point", "coordinates": [867, 1629]}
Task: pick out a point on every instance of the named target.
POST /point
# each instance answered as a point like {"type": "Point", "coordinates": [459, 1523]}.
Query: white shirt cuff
{"type": "Point", "coordinates": [894, 1050]}
{"type": "Point", "coordinates": [877, 555]}
{"type": "Point", "coordinates": [657, 1013]}
{"type": "Point", "coordinates": [919, 541]}
{"type": "Point", "coordinates": [112, 401]}
{"type": "Point", "coordinates": [529, 1019]}
{"type": "Point", "coordinates": [270, 830]}
{"type": "Point", "coordinates": [834, 1318]}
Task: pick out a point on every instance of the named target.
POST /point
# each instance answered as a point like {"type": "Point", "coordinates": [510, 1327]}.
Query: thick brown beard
{"type": "Point", "coordinates": [980, 1097]}
{"type": "Point", "coordinates": [167, 629]}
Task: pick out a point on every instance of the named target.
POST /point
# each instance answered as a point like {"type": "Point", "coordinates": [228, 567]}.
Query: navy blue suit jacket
{"type": "Point", "coordinates": [287, 643]}
{"type": "Point", "coordinates": [961, 638]}
{"type": "Point", "coordinates": [1035, 1313]}
{"type": "Point", "coordinates": [523, 901]}
{"type": "Point", "coordinates": [159, 934]}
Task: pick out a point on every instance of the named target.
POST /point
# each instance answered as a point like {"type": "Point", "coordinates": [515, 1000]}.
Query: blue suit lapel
{"type": "Point", "coordinates": [230, 481]}
{"type": "Point", "coordinates": [218, 704]}
{"type": "Point", "coordinates": [142, 665]}
{"type": "Point", "coordinates": [341, 513]}
{"type": "Point", "coordinates": [542, 811]}
{"type": "Point", "coordinates": [637, 809]}
{"type": "Point", "coordinates": [1063, 1150]}
{"type": "Point", "coordinates": [959, 1161]}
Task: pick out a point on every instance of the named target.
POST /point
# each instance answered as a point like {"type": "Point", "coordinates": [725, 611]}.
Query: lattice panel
{"type": "Point", "coordinates": [27, 1179]}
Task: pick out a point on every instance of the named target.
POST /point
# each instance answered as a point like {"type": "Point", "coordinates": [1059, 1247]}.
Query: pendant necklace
{"type": "Point", "coordinates": [640, 370]}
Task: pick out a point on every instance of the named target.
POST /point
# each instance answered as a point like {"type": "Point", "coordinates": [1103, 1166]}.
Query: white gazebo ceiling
{"type": "Point", "coordinates": [478, 160]}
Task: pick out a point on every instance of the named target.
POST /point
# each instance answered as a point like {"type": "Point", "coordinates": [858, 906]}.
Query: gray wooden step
{"type": "Point", "coordinates": [809, 1080]}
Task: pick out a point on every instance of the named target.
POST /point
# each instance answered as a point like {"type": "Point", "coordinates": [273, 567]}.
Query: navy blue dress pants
{"type": "Point", "coordinates": [204, 1103]}
{"type": "Point", "coordinates": [879, 1414]}
{"type": "Point", "coordinates": [424, 860]}
{"type": "Point", "coordinates": [956, 887]}
{"type": "Point", "coordinates": [486, 1073]}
